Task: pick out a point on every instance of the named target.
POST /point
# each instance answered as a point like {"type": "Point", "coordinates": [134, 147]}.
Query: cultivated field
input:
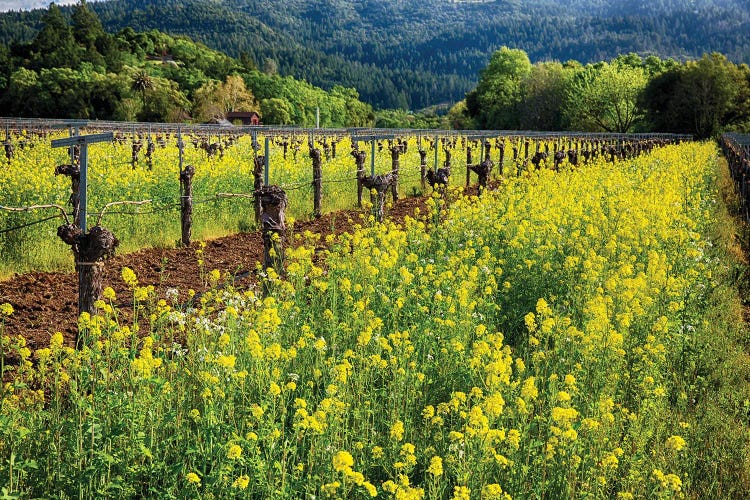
{"type": "Point", "coordinates": [570, 333]}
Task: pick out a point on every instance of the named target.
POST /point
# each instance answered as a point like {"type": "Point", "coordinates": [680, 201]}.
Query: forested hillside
{"type": "Point", "coordinates": [72, 68]}
{"type": "Point", "coordinates": [413, 54]}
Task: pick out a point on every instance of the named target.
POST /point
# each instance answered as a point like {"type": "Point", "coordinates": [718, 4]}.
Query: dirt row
{"type": "Point", "coordinates": [45, 303]}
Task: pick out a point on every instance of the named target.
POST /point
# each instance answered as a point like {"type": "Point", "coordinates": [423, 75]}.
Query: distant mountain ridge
{"type": "Point", "coordinates": [414, 54]}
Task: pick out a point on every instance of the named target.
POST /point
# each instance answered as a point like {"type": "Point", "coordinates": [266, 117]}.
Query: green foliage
{"type": "Point", "coordinates": [495, 100]}
{"type": "Point", "coordinates": [544, 92]}
{"type": "Point", "coordinates": [291, 101]}
{"type": "Point", "coordinates": [703, 97]}
{"type": "Point", "coordinates": [458, 117]}
{"type": "Point", "coordinates": [605, 98]}
{"type": "Point", "coordinates": [276, 111]}
{"type": "Point", "coordinates": [399, 118]}
{"type": "Point", "coordinates": [55, 46]}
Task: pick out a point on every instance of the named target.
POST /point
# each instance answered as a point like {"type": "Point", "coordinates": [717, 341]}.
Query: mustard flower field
{"type": "Point", "coordinates": [566, 335]}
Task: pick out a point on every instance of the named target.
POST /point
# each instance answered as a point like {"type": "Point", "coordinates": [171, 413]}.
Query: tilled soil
{"type": "Point", "coordinates": [45, 303]}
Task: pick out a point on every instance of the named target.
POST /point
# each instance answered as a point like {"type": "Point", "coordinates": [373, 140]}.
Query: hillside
{"type": "Point", "coordinates": [414, 54]}
{"type": "Point", "coordinates": [73, 68]}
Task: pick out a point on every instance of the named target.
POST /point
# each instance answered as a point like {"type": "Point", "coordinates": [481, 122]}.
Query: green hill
{"type": "Point", "coordinates": [415, 54]}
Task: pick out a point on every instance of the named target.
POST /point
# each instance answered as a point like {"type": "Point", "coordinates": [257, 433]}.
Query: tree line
{"type": "Point", "coordinates": [410, 55]}
{"type": "Point", "coordinates": [703, 97]}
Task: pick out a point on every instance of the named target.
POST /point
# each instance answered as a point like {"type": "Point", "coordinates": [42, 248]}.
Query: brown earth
{"type": "Point", "coordinates": [45, 303]}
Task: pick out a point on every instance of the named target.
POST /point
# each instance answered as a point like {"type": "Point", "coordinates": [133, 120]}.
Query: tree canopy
{"type": "Point", "coordinates": [703, 97]}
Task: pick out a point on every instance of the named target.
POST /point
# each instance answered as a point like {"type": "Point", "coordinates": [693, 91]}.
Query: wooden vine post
{"type": "Point", "coordinates": [483, 171]}
{"type": "Point", "coordinates": [359, 159]}
{"type": "Point", "coordinates": [273, 202]}
{"type": "Point", "coordinates": [258, 171]}
{"type": "Point", "coordinates": [186, 203]}
{"type": "Point", "coordinates": [422, 167]}
{"type": "Point", "coordinates": [396, 150]}
{"type": "Point", "coordinates": [469, 161]}
{"type": "Point", "coordinates": [136, 149]}
{"type": "Point", "coordinates": [501, 159]}
{"type": "Point", "coordinates": [90, 248]}
{"type": "Point", "coordinates": [379, 184]}
{"type": "Point", "coordinates": [317, 164]}
{"type": "Point", "coordinates": [186, 193]}
{"type": "Point", "coordinates": [150, 148]}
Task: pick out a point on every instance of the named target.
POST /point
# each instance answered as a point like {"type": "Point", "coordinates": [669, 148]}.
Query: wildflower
{"type": "Point", "coordinates": [329, 489]}
{"type": "Point", "coordinates": [193, 478]}
{"type": "Point", "coordinates": [461, 493]}
{"type": "Point", "coordinates": [564, 416]}
{"type": "Point", "coordinates": [241, 482]}
{"type": "Point", "coordinates": [455, 436]}
{"type": "Point", "coordinates": [370, 488]}
{"type": "Point", "coordinates": [227, 362]}
{"type": "Point", "coordinates": [224, 340]}
{"type": "Point", "coordinates": [492, 492]}
{"type": "Point", "coordinates": [109, 294]}
{"type": "Point", "coordinates": [129, 277]}
{"type": "Point", "coordinates": [390, 487]}
{"type": "Point", "coordinates": [609, 461]}
{"type": "Point", "coordinates": [6, 309]}
{"type": "Point", "coordinates": [670, 482]}
{"type": "Point", "coordinates": [407, 451]}
{"type": "Point", "coordinates": [494, 405]}
{"type": "Point", "coordinates": [529, 390]}
{"type": "Point", "coordinates": [530, 322]}
{"type": "Point", "coordinates": [56, 341]}
{"type": "Point", "coordinates": [436, 466]}
{"type": "Point", "coordinates": [563, 396]}
{"type": "Point", "coordinates": [514, 438]}
{"type": "Point", "coordinates": [397, 430]}
{"type": "Point", "coordinates": [543, 308]}
{"type": "Point", "coordinates": [234, 452]}
{"type": "Point", "coordinates": [343, 461]}
{"type": "Point", "coordinates": [676, 443]}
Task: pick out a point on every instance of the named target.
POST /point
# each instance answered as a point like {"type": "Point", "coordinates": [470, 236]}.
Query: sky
{"type": "Point", "coordinates": [6, 5]}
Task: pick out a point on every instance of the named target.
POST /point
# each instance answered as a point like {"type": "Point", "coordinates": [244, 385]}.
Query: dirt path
{"type": "Point", "coordinates": [45, 303]}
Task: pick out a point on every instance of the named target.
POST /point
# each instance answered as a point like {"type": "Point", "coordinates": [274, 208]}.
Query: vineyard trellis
{"type": "Point", "coordinates": [530, 149]}
{"type": "Point", "coordinates": [736, 148]}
